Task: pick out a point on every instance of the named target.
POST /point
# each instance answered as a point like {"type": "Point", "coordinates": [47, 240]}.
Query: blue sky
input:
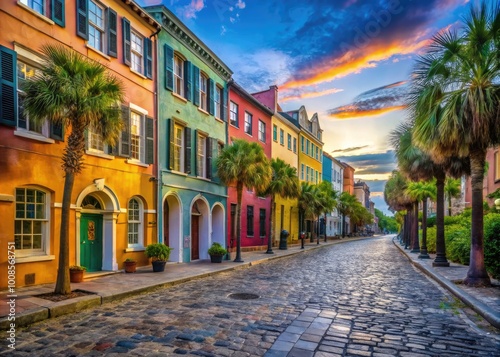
{"type": "Point", "coordinates": [347, 60]}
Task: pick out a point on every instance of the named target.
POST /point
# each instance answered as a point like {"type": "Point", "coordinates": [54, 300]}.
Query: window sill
{"type": "Point", "coordinates": [179, 97]}
{"type": "Point", "coordinates": [203, 178]}
{"type": "Point", "coordinates": [138, 73]}
{"type": "Point", "coordinates": [102, 54]}
{"type": "Point", "coordinates": [180, 173]}
{"type": "Point", "coordinates": [137, 163]}
{"type": "Point", "coordinates": [249, 134]}
{"type": "Point", "coordinates": [40, 16]}
{"type": "Point", "coordinates": [99, 154]}
{"type": "Point", "coordinates": [201, 110]}
{"type": "Point", "coordinates": [33, 136]}
{"type": "Point", "coordinates": [235, 125]}
{"type": "Point", "coordinates": [219, 119]}
{"type": "Point", "coordinates": [34, 258]}
{"type": "Point", "coordinates": [134, 249]}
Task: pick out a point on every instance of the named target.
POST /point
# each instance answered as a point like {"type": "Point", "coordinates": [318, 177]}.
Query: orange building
{"type": "Point", "coordinates": [113, 214]}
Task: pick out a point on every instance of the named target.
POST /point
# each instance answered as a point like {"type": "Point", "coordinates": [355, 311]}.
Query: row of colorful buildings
{"type": "Point", "coordinates": [159, 183]}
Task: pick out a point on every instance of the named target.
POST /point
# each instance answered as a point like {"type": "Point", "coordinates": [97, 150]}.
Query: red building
{"type": "Point", "coordinates": [249, 120]}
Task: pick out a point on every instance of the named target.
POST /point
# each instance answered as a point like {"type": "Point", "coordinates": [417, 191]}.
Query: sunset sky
{"type": "Point", "coordinates": [347, 60]}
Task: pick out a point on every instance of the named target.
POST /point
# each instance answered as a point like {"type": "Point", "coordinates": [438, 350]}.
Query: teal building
{"type": "Point", "coordinates": [192, 129]}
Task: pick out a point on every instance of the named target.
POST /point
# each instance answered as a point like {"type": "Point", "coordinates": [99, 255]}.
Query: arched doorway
{"type": "Point", "coordinates": [200, 228]}
{"type": "Point", "coordinates": [172, 223]}
{"type": "Point", "coordinates": [218, 231]}
{"type": "Point", "coordinates": [91, 233]}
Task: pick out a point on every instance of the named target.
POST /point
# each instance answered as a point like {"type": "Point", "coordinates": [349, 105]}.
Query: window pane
{"type": "Point", "coordinates": [37, 241]}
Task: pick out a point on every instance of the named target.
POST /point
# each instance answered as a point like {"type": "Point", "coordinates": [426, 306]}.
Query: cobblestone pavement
{"type": "Point", "coordinates": [359, 298]}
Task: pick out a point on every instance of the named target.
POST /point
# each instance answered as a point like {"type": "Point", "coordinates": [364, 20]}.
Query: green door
{"type": "Point", "coordinates": [91, 241]}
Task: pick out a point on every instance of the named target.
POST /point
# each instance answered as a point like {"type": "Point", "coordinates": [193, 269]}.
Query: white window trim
{"type": "Point", "coordinates": [33, 136]}
{"type": "Point", "coordinates": [140, 237]}
{"type": "Point", "coordinates": [90, 24]}
{"type": "Point", "coordinates": [140, 54]}
{"type": "Point", "coordinates": [37, 14]}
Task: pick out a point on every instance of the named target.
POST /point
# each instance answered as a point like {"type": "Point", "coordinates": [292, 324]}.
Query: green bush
{"type": "Point", "coordinates": [217, 249]}
{"type": "Point", "coordinates": [431, 221]}
{"type": "Point", "coordinates": [458, 243]}
{"type": "Point", "coordinates": [158, 251]}
{"type": "Point", "coordinates": [492, 244]}
{"type": "Point", "coordinates": [431, 239]}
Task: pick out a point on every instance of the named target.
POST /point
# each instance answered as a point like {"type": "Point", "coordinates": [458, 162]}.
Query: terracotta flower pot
{"type": "Point", "coordinates": [130, 267]}
{"type": "Point", "coordinates": [76, 276]}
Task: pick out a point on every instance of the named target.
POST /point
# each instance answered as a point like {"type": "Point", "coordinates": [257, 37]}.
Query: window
{"type": "Point", "coordinates": [302, 171]}
{"type": "Point", "coordinates": [289, 141]}
{"type": "Point", "coordinates": [282, 137]}
{"type": "Point", "coordinates": [307, 173]}
{"type": "Point", "coordinates": [201, 156]}
{"type": "Point", "coordinates": [179, 75]}
{"type": "Point", "coordinates": [203, 92]}
{"type": "Point", "coordinates": [262, 222]}
{"type": "Point", "coordinates": [37, 5]}
{"type": "Point", "coordinates": [136, 136]}
{"type": "Point", "coordinates": [31, 221]}
{"type": "Point", "coordinates": [233, 114]}
{"type": "Point", "coordinates": [295, 145]}
{"type": "Point", "coordinates": [275, 133]}
{"type": "Point", "coordinates": [302, 144]}
{"type": "Point", "coordinates": [218, 103]}
{"type": "Point", "coordinates": [308, 144]}
{"type": "Point", "coordinates": [96, 26]}
{"type": "Point", "coordinates": [178, 164]}
{"type": "Point", "coordinates": [497, 166]}
{"type": "Point", "coordinates": [317, 153]}
{"type": "Point", "coordinates": [95, 141]}
{"type": "Point", "coordinates": [137, 52]}
{"type": "Point", "coordinates": [250, 221]}
{"type": "Point", "coordinates": [42, 7]}
{"type": "Point", "coordinates": [134, 223]}
{"type": "Point", "coordinates": [248, 123]}
{"type": "Point", "coordinates": [262, 131]}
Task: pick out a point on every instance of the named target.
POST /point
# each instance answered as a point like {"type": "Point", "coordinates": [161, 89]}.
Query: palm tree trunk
{"type": "Point", "coordinates": [415, 248]}
{"type": "Point", "coordinates": [477, 275]}
{"type": "Point", "coordinates": [343, 225]}
{"type": "Point", "coordinates": [449, 205]}
{"type": "Point", "coordinates": [407, 228]}
{"type": "Point", "coordinates": [440, 260]}
{"type": "Point", "coordinates": [270, 240]}
{"type": "Point", "coordinates": [239, 194]}
{"type": "Point", "coordinates": [423, 249]}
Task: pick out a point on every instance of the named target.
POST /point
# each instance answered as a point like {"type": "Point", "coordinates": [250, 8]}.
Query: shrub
{"type": "Point", "coordinates": [492, 244]}
{"type": "Point", "coordinates": [217, 249]}
{"type": "Point", "coordinates": [458, 243]}
{"type": "Point", "coordinates": [158, 251]}
{"type": "Point", "coordinates": [431, 240]}
{"type": "Point", "coordinates": [431, 221]}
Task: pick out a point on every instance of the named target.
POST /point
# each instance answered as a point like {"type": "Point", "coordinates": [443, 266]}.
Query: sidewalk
{"type": "Point", "coordinates": [484, 301]}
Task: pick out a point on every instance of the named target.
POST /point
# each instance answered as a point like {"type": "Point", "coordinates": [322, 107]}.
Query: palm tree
{"type": "Point", "coordinates": [345, 206]}
{"type": "Point", "coordinates": [77, 93]}
{"type": "Point", "coordinates": [455, 102]}
{"type": "Point", "coordinates": [328, 197]}
{"type": "Point", "coordinates": [451, 190]}
{"type": "Point", "coordinates": [309, 202]}
{"type": "Point", "coordinates": [422, 191]}
{"type": "Point", "coordinates": [284, 183]}
{"type": "Point", "coordinates": [396, 198]}
{"type": "Point", "coordinates": [243, 164]}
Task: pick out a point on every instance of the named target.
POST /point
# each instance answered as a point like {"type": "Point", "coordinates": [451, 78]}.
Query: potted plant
{"type": "Point", "coordinates": [159, 253]}
{"type": "Point", "coordinates": [130, 265]}
{"type": "Point", "coordinates": [76, 273]}
{"type": "Point", "coordinates": [216, 252]}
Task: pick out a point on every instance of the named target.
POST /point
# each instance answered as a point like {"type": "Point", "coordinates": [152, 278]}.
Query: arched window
{"type": "Point", "coordinates": [135, 220]}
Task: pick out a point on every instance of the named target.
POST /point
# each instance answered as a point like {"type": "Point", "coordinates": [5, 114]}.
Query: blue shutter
{"type": "Point", "coordinates": [211, 95]}
{"type": "Point", "coordinates": [57, 9]}
{"type": "Point", "coordinates": [125, 135]}
{"type": "Point", "coordinates": [112, 33]}
{"type": "Point", "coordinates": [8, 86]}
{"type": "Point", "coordinates": [150, 140]}
{"type": "Point", "coordinates": [171, 146]}
{"type": "Point", "coordinates": [224, 105]}
{"type": "Point", "coordinates": [148, 58]}
{"type": "Point", "coordinates": [196, 86]}
{"type": "Point", "coordinates": [127, 47]}
{"type": "Point", "coordinates": [187, 150]}
{"type": "Point", "coordinates": [82, 19]}
{"type": "Point", "coordinates": [169, 67]}
{"type": "Point", "coordinates": [188, 80]}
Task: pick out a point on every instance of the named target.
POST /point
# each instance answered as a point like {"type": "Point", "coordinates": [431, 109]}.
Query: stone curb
{"type": "Point", "coordinates": [478, 306]}
{"type": "Point", "coordinates": [77, 304]}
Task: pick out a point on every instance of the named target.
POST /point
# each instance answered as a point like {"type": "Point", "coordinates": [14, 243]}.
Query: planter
{"type": "Point", "coordinates": [76, 276]}
{"type": "Point", "coordinates": [216, 258]}
{"type": "Point", "coordinates": [130, 267]}
{"type": "Point", "coordinates": [159, 265]}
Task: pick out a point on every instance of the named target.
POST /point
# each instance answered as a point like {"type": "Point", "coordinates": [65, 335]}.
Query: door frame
{"type": "Point", "coordinates": [101, 218]}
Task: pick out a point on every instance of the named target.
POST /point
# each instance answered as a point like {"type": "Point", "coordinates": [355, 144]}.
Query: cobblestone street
{"type": "Point", "coordinates": [360, 298]}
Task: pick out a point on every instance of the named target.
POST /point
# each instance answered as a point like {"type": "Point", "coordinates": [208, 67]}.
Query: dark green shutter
{"type": "Point", "coordinates": [169, 67]}
{"type": "Point", "coordinates": [195, 149]}
{"type": "Point", "coordinates": [171, 146]}
{"type": "Point", "coordinates": [148, 58]}
{"type": "Point", "coordinates": [57, 131]}
{"type": "Point", "coordinates": [215, 155]}
{"type": "Point", "coordinates": [208, 148]}
{"type": "Point", "coordinates": [127, 47]}
{"type": "Point", "coordinates": [8, 86]}
{"type": "Point", "coordinates": [125, 135]}
{"type": "Point", "coordinates": [82, 19]}
{"type": "Point", "coordinates": [57, 10]}
{"type": "Point", "coordinates": [210, 96]}
{"type": "Point", "coordinates": [150, 143]}
{"type": "Point", "coordinates": [188, 75]}
{"type": "Point", "coordinates": [112, 33]}
{"type": "Point", "coordinates": [224, 105]}
{"type": "Point", "coordinates": [196, 86]}
{"type": "Point", "coordinates": [187, 150]}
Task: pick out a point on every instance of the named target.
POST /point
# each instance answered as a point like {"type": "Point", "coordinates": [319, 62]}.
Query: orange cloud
{"type": "Point", "coordinates": [312, 94]}
{"type": "Point", "coordinates": [352, 111]}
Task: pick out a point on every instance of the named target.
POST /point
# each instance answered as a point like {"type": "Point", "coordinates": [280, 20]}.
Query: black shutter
{"type": "Point", "coordinates": [210, 96]}
{"type": "Point", "coordinates": [195, 149]}
{"type": "Point", "coordinates": [112, 33]}
{"type": "Point", "coordinates": [196, 86]}
{"type": "Point", "coordinates": [127, 47]}
{"type": "Point", "coordinates": [208, 154]}
{"type": "Point", "coordinates": [188, 75]}
{"type": "Point", "coordinates": [57, 10]}
{"type": "Point", "coordinates": [150, 143]}
{"type": "Point", "coordinates": [223, 108]}
{"type": "Point", "coordinates": [8, 86]}
{"type": "Point", "coordinates": [125, 136]}
{"type": "Point", "coordinates": [148, 58]}
{"type": "Point", "coordinates": [82, 19]}
{"type": "Point", "coordinates": [171, 146]}
{"type": "Point", "coordinates": [187, 150]}
{"type": "Point", "coordinates": [57, 131]}
{"type": "Point", "coordinates": [169, 67]}
{"type": "Point", "coordinates": [215, 154]}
